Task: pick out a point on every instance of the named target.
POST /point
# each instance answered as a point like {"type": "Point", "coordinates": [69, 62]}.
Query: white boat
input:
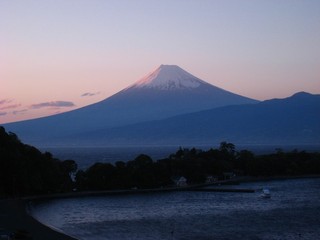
{"type": "Point", "coordinates": [265, 193]}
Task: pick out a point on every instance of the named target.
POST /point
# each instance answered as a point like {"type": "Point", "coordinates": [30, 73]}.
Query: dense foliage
{"type": "Point", "coordinates": [196, 166]}
{"type": "Point", "coordinates": [25, 170]}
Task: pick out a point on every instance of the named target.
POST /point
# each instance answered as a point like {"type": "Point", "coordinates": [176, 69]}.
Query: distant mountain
{"type": "Point", "coordinates": [293, 120]}
{"type": "Point", "coordinates": [166, 92]}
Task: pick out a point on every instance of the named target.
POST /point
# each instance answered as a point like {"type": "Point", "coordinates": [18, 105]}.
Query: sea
{"type": "Point", "coordinates": [291, 213]}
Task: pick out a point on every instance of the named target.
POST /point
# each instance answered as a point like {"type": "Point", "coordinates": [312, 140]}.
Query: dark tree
{"type": "Point", "coordinates": [24, 170]}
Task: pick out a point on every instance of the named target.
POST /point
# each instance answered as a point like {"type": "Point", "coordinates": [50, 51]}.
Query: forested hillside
{"type": "Point", "coordinates": [24, 170]}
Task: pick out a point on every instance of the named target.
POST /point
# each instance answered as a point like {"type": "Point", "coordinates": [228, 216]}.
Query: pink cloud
{"type": "Point", "coordinates": [88, 94]}
{"type": "Point", "coordinates": [53, 104]}
{"type": "Point", "coordinates": [10, 106]}
{"type": "Point", "coordinates": [19, 111]}
{"type": "Point", "coordinates": [4, 101]}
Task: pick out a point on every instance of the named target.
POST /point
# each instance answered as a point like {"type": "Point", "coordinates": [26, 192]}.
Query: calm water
{"type": "Point", "coordinates": [291, 213]}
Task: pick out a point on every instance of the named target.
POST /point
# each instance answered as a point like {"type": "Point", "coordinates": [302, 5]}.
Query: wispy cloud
{"type": "Point", "coordinates": [5, 101]}
{"type": "Point", "coordinates": [10, 106]}
{"type": "Point", "coordinates": [55, 104]}
{"type": "Point", "coordinates": [89, 94]}
{"type": "Point", "coordinates": [4, 106]}
{"type": "Point", "coordinates": [19, 111]}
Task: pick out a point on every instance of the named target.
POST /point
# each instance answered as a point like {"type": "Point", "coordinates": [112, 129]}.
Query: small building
{"type": "Point", "coordinates": [211, 179]}
{"type": "Point", "coordinates": [180, 181]}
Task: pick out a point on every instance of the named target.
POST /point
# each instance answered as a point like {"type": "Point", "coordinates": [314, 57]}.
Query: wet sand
{"type": "Point", "coordinates": [14, 218]}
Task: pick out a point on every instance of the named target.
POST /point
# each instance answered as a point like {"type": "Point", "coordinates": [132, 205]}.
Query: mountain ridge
{"type": "Point", "coordinates": [132, 105]}
{"type": "Point", "coordinates": [278, 121]}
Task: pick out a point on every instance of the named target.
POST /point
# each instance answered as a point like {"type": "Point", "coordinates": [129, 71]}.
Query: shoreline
{"type": "Point", "coordinates": [232, 181]}
{"type": "Point", "coordinates": [14, 214]}
{"type": "Point", "coordinates": [14, 218]}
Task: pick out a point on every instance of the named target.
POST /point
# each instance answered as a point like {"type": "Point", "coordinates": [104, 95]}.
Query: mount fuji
{"type": "Point", "coordinates": [166, 92]}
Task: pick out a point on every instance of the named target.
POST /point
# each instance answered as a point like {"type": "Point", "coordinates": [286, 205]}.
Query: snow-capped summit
{"type": "Point", "coordinates": [168, 77]}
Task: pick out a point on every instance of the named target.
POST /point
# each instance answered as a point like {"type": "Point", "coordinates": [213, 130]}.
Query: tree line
{"type": "Point", "coordinates": [24, 170]}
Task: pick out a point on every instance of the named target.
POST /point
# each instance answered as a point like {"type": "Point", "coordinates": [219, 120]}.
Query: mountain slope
{"type": "Point", "coordinates": [293, 120]}
{"type": "Point", "coordinates": [166, 92]}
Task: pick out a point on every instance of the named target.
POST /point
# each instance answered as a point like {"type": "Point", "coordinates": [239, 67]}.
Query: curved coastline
{"type": "Point", "coordinates": [14, 217]}
{"type": "Point", "coordinates": [236, 180]}
{"type": "Point", "coordinates": [15, 214]}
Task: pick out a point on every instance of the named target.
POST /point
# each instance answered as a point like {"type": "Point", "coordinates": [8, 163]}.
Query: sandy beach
{"type": "Point", "coordinates": [14, 218]}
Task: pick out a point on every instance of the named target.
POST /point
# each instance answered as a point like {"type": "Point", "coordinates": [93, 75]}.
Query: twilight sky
{"type": "Point", "coordinates": [58, 55]}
